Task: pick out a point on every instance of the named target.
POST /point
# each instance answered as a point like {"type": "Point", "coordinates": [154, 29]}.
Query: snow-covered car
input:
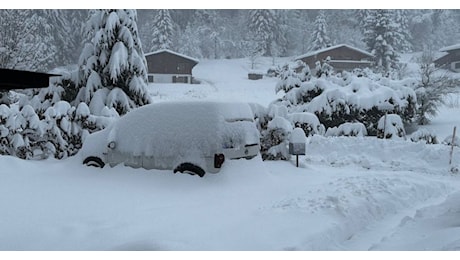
{"type": "Point", "coordinates": [192, 137]}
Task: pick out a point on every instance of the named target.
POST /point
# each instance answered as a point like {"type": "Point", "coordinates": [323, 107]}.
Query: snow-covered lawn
{"type": "Point", "coordinates": [348, 193]}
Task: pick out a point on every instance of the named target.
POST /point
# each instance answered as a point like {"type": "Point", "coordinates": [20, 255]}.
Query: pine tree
{"type": "Point", "coordinates": [25, 40]}
{"type": "Point", "coordinates": [402, 42]}
{"type": "Point", "coordinates": [163, 30]}
{"type": "Point", "coordinates": [114, 67]}
{"type": "Point", "coordinates": [190, 42]}
{"type": "Point", "coordinates": [263, 25]}
{"type": "Point", "coordinates": [205, 24]}
{"type": "Point", "coordinates": [320, 39]}
{"type": "Point", "coordinates": [380, 37]}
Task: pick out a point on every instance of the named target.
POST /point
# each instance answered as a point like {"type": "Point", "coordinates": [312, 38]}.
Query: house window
{"type": "Point", "coordinates": [150, 78]}
{"type": "Point", "coordinates": [180, 79]}
{"type": "Point", "coordinates": [457, 65]}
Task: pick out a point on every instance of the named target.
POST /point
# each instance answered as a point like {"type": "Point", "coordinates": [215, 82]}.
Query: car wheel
{"type": "Point", "coordinates": [94, 161]}
{"type": "Point", "coordinates": [190, 169]}
{"type": "Point", "coordinates": [250, 157]}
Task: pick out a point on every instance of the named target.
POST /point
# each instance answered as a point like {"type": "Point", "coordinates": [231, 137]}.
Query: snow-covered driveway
{"type": "Point", "coordinates": [366, 204]}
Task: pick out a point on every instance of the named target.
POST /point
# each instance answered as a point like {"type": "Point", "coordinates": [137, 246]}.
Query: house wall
{"type": "Point", "coordinates": [348, 66]}
{"type": "Point", "coordinates": [169, 78]}
{"type": "Point", "coordinates": [167, 63]}
{"type": "Point", "coordinates": [450, 61]}
{"type": "Point", "coordinates": [342, 53]}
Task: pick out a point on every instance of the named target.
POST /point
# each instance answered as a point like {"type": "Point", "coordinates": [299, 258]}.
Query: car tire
{"type": "Point", "coordinates": [190, 168]}
{"type": "Point", "coordinates": [94, 162]}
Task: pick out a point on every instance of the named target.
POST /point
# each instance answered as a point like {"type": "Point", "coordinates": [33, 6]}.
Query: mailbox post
{"type": "Point", "coordinates": [297, 143]}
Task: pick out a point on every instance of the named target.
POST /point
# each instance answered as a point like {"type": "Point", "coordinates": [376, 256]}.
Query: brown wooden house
{"type": "Point", "coordinates": [166, 66]}
{"type": "Point", "coordinates": [450, 59]}
{"type": "Point", "coordinates": [342, 57]}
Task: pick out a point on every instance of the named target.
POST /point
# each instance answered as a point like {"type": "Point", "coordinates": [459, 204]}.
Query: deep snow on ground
{"type": "Point", "coordinates": [348, 193]}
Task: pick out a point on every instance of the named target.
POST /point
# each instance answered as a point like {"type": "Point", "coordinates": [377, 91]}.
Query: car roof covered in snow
{"type": "Point", "coordinates": [168, 128]}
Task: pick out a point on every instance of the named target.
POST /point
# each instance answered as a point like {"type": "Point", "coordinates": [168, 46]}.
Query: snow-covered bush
{"type": "Point", "coordinates": [347, 98]}
{"type": "Point", "coordinates": [275, 139]}
{"type": "Point", "coordinates": [308, 122]}
{"type": "Point", "coordinates": [261, 117]}
{"type": "Point", "coordinates": [425, 136]}
{"type": "Point", "coordinates": [292, 75]}
{"type": "Point", "coordinates": [448, 140]}
{"type": "Point", "coordinates": [59, 133]}
{"type": "Point", "coordinates": [391, 127]}
{"type": "Point", "coordinates": [324, 69]}
{"type": "Point", "coordinates": [431, 89]}
{"type": "Point", "coordinates": [347, 129]}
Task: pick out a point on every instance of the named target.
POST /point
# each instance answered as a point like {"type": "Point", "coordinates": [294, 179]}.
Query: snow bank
{"type": "Point", "coordinates": [374, 153]}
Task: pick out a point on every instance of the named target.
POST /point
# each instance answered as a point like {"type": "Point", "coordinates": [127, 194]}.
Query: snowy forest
{"type": "Point", "coordinates": [100, 55]}
{"type": "Point", "coordinates": [59, 34]}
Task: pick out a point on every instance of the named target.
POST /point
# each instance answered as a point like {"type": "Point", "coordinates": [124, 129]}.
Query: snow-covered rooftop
{"type": "Point", "coordinates": [313, 53]}
{"type": "Point", "coordinates": [451, 48]}
{"type": "Point", "coordinates": [174, 53]}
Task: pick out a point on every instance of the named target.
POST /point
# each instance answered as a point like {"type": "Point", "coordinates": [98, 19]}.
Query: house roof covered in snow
{"type": "Point", "coordinates": [20, 79]}
{"type": "Point", "coordinates": [450, 48]}
{"type": "Point", "coordinates": [172, 52]}
{"type": "Point", "coordinates": [314, 53]}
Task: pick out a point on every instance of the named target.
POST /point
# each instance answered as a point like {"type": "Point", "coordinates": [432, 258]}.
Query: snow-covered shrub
{"type": "Point", "coordinates": [431, 90]}
{"type": "Point", "coordinates": [308, 122]}
{"type": "Point", "coordinates": [274, 140]}
{"type": "Point", "coordinates": [448, 140]}
{"type": "Point", "coordinates": [347, 129]}
{"type": "Point", "coordinates": [261, 117]}
{"type": "Point", "coordinates": [351, 98]}
{"type": "Point", "coordinates": [292, 75]}
{"type": "Point", "coordinates": [59, 133]}
{"type": "Point", "coordinates": [391, 127]}
{"type": "Point", "coordinates": [324, 69]}
{"type": "Point", "coordinates": [425, 136]}
{"type": "Point", "coordinates": [4, 131]}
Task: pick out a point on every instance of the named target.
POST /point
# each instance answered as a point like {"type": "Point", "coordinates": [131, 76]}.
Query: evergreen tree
{"type": "Point", "coordinates": [343, 27]}
{"type": "Point", "coordinates": [190, 42]}
{"type": "Point", "coordinates": [380, 37]}
{"type": "Point", "coordinates": [320, 39]}
{"type": "Point", "coordinates": [403, 41]}
{"type": "Point", "coordinates": [25, 40]}
{"type": "Point", "coordinates": [297, 32]}
{"type": "Point", "coordinates": [114, 70]}
{"type": "Point", "coordinates": [76, 20]}
{"type": "Point", "coordinates": [263, 25]}
{"type": "Point", "coordinates": [163, 31]}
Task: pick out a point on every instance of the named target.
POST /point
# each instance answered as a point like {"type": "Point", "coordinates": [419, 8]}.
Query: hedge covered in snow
{"type": "Point", "coordinates": [56, 132]}
{"type": "Point", "coordinates": [360, 96]}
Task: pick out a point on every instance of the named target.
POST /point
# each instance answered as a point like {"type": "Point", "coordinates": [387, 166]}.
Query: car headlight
{"type": "Point", "coordinates": [112, 145]}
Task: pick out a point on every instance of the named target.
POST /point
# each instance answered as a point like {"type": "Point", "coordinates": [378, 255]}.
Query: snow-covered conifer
{"type": "Point", "coordinates": [320, 38]}
{"type": "Point", "coordinates": [263, 24]}
{"type": "Point", "coordinates": [163, 30]}
{"type": "Point", "coordinates": [113, 59]}
{"type": "Point", "coordinates": [403, 37]}
{"type": "Point", "coordinates": [25, 40]}
{"type": "Point", "coordinates": [380, 35]}
{"type": "Point", "coordinates": [189, 36]}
